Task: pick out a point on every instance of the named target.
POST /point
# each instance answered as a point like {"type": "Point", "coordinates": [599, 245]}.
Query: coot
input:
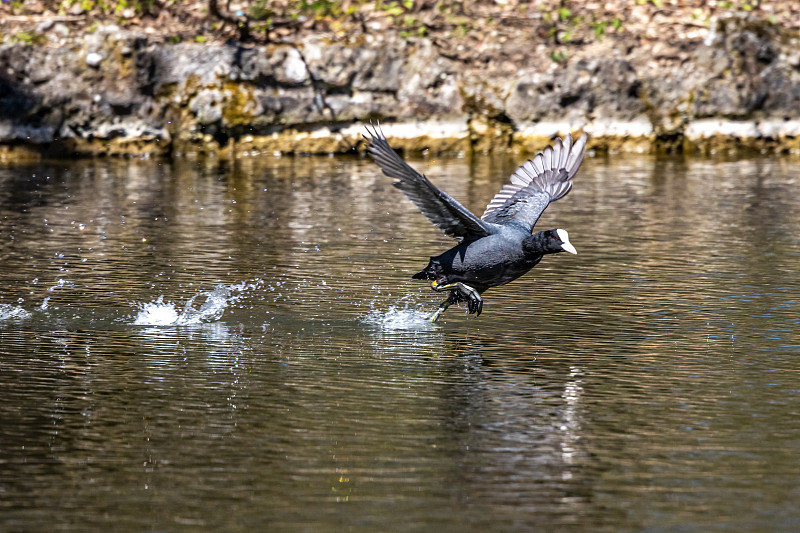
{"type": "Point", "coordinates": [499, 246]}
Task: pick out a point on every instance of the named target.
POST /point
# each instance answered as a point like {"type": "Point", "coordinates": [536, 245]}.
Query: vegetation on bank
{"type": "Point", "coordinates": [561, 22]}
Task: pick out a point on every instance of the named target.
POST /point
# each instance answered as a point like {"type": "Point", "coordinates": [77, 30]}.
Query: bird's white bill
{"type": "Point", "coordinates": [565, 244]}
{"type": "Point", "coordinates": [567, 247]}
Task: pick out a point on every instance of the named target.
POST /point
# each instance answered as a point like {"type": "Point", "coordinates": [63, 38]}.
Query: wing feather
{"type": "Point", "coordinates": [439, 207]}
{"type": "Point", "coordinates": [544, 179]}
{"type": "Point", "coordinates": [516, 180]}
{"type": "Point", "coordinates": [565, 148]}
{"type": "Point", "coordinates": [538, 164]}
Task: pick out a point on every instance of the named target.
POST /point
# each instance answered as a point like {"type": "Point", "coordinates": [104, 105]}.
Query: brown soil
{"type": "Point", "coordinates": [473, 30]}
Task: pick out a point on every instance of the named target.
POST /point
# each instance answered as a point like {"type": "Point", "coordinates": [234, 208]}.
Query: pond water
{"type": "Point", "coordinates": [238, 346]}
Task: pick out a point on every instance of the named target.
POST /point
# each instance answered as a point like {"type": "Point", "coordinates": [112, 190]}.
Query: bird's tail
{"type": "Point", "coordinates": [431, 271]}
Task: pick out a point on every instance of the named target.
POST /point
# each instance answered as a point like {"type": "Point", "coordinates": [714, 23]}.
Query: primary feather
{"type": "Point", "coordinates": [439, 207]}
{"type": "Point", "coordinates": [544, 179]}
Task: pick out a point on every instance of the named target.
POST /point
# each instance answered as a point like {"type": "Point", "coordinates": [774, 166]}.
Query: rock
{"type": "Point", "coordinates": [592, 88]}
{"type": "Point", "coordinates": [60, 30]}
{"type": "Point", "coordinates": [292, 69]}
{"type": "Point", "coordinates": [742, 83]}
{"type": "Point", "coordinates": [739, 71]}
{"type": "Point", "coordinates": [429, 84]}
{"type": "Point", "coordinates": [207, 106]}
{"type": "Point", "coordinates": [707, 128]}
{"type": "Point", "coordinates": [93, 59]}
{"type": "Point", "coordinates": [44, 26]}
{"type": "Point", "coordinates": [366, 66]}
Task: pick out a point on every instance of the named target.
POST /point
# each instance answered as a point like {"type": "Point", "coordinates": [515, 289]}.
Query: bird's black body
{"type": "Point", "coordinates": [499, 247]}
{"type": "Point", "coordinates": [491, 261]}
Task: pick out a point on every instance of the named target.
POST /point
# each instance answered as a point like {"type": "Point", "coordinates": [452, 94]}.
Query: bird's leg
{"type": "Point", "coordinates": [451, 299]}
{"type": "Point", "coordinates": [471, 295]}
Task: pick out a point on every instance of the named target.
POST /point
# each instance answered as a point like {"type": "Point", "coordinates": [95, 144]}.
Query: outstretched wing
{"type": "Point", "coordinates": [536, 183]}
{"type": "Point", "coordinates": [446, 213]}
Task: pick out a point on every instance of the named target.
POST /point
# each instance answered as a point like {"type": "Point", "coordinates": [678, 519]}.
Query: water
{"type": "Point", "coordinates": [237, 346]}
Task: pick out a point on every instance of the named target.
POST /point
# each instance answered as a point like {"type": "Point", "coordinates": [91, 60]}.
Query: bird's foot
{"type": "Point", "coordinates": [469, 294]}
{"type": "Point", "coordinates": [438, 313]}
{"type": "Point", "coordinates": [474, 300]}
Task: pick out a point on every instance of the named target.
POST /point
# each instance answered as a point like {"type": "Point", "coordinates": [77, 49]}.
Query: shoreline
{"type": "Point", "coordinates": [706, 137]}
{"type": "Point", "coordinates": [710, 137]}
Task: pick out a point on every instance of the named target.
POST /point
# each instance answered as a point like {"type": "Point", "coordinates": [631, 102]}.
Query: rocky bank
{"type": "Point", "coordinates": [732, 83]}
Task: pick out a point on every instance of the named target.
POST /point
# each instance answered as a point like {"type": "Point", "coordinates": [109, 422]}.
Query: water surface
{"type": "Point", "coordinates": [237, 345]}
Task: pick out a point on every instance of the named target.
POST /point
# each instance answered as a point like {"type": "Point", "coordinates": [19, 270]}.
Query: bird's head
{"type": "Point", "coordinates": [552, 241]}
{"type": "Point", "coordinates": [562, 239]}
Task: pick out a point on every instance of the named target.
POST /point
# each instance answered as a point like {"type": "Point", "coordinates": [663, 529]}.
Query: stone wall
{"type": "Point", "coordinates": [115, 92]}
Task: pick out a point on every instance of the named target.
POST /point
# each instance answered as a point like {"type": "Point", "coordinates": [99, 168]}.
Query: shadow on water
{"type": "Point", "coordinates": [227, 345]}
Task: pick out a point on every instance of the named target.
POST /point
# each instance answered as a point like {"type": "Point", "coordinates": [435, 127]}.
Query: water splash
{"type": "Point", "coordinates": [409, 317]}
{"type": "Point", "coordinates": [157, 313]}
{"type": "Point", "coordinates": [60, 282]}
{"type": "Point", "coordinates": [205, 306]}
{"type": "Point", "coordinates": [10, 312]}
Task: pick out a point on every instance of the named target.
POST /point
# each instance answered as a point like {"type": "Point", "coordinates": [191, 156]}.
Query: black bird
{"type": "Point", "coordinates": [498, 247]}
